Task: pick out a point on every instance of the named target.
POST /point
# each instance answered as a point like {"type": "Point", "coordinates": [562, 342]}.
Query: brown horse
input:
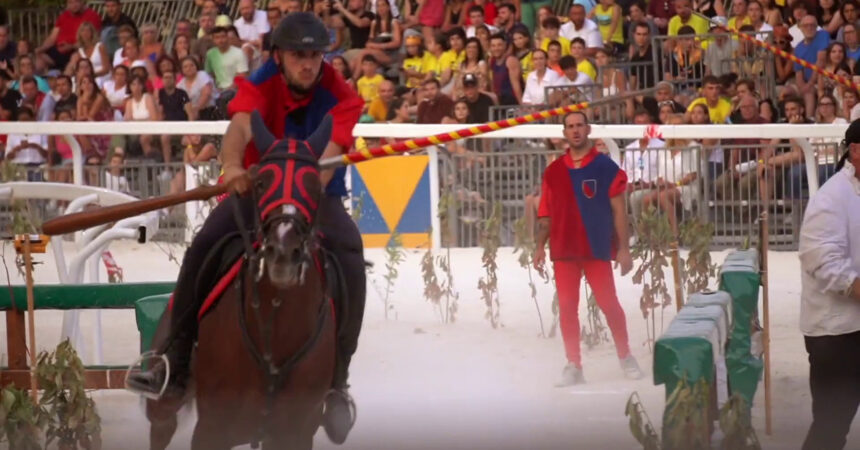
{"type": "Point", "coordinates": [266, 349]}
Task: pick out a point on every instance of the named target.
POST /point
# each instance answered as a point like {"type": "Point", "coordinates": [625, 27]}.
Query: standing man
{"type": "Point", "coordinates": [830, 299]}
{"type": "Point", "coordinates": [583, 215]}
{"type": "Point", "coordinates": [294, 91]}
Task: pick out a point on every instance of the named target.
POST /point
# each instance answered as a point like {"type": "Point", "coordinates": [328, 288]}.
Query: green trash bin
{"type": "Point", "coordinates": [147, 312]}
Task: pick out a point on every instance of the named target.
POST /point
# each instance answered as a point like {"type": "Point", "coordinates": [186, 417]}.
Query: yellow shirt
{"type": "Point", "coordinates": [733, 23]}
{"type": "Point", "coordinates": [368, 88]}
{"type": "Point", "coordinates": [565, 45]}
{"type": "Point", "coordinates": [699, 24]}
{"type": "Point", "coordinates": [378, 110]}
{"type": "Point", "coordinates": [422, 65]}
{"type": "Point", "coordinates": [603, 17]}
{"type": "Point", "coordinates": [451, 60]}
{"type": "Point", "coordinates": [718, 113]}
{"type": "Point", "coordinates": [587, 68]}
{"type": "Point", "coordinates": [526, 64]}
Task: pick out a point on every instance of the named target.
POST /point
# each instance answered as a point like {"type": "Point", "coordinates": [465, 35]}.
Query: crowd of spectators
{"type": "Point", "coordinates": [449, 61]}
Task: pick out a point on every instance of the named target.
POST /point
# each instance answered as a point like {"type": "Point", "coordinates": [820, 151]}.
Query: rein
{"type": "Point", "coordinates": [275, 373]}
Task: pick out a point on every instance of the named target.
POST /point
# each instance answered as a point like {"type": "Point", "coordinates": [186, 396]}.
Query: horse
{"type": "Point", "coordinates": [265, 355]}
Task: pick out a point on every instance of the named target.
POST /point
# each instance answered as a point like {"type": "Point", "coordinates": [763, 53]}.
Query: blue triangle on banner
{"type": "Point", "coordinates": [416, 218]}
{"type": "Point", "coordinates": [370, 221]}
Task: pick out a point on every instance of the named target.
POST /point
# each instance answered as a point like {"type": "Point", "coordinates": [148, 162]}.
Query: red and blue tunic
{"type": "Point", "coordinates": [577, 201]}
{"type": "Point", "coordinates": [266, 91]}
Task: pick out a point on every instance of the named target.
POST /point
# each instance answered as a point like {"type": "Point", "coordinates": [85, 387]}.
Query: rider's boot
{"type": "Point", "coordinates": [177, 371]}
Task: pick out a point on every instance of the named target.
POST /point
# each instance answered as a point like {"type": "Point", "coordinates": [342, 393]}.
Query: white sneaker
{"type": "Point", "coordinates": [631, 368]}
{"type": "Point", "coordinates": [571, 376]}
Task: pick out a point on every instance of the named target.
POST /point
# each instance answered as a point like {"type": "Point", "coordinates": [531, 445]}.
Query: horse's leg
{"type": "Point", "coordinates": [162, 413]}
{"type": "Point", "coordinates": [161, 432]}
{"type": "Point", "coordinates": [208, 436]}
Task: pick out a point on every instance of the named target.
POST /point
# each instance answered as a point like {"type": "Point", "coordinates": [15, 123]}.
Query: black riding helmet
{"type": "Point", "coordinates": [300, 31]}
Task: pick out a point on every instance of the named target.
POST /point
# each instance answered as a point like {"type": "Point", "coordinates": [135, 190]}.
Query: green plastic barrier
{"type": "Point", "coordinates": [739, 276]}
{"type": "Point", "coordinates": [685, 349]}
{"type": "Point", "coordinates": [147, 312]}
{"type": "Point", "coordinates": [707, 298]}
{"type": "Point", "coordinates": [83, 296]}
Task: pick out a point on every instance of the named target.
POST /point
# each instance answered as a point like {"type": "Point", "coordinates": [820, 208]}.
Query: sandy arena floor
{"type": "Point", "coordinates": [421, 384]}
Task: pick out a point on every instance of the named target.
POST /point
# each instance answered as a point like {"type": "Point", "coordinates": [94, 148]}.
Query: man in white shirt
{"type": "Point", "coordinates": [538, 80]}
{"type": "Point", "coordinates": [476, 16]}
{"type": "Point", "coordinates": [251, 25]}
{"type": "Point", "coordinates": [641, 162]}
{"type": "Point", "coordinates": [29, 150]}
{"type": "Point", "coordinates": [580, 27]}
{"type": "Point", "coordinates": [830, 299]}
{"type": "Point", "coordinates": [576, 85]}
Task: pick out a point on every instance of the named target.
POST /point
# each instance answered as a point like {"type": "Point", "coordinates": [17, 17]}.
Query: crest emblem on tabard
{"type": "Point", "coordinates": [589, 188]}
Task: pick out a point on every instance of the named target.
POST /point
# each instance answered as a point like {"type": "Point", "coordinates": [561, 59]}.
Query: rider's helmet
{"type": "Point", "coordinates": [302, 31]}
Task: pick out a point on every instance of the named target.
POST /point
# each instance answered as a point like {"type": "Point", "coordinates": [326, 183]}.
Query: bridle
{"type": "Point", "coordinates": [275, 373]}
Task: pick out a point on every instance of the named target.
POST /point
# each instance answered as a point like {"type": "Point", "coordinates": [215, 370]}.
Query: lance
{"type": "Point", "coordinates": [778, 51]}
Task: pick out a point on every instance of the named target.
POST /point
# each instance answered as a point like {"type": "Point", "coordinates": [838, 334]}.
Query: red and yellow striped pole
{"type": "Point", "coordinates": [441, 138]}
{"type": "Point", "coordinates": [778, 51]}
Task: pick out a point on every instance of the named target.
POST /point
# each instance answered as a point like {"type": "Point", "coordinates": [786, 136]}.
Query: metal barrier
{"type": "Point", "coordinates": [510, 176]}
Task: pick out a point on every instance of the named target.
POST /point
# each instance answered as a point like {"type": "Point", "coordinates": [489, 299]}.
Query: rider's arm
{"type": "Point", "coordinates": [235, 139]}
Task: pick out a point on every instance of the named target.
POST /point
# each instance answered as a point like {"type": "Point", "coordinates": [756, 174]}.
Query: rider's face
{"type": "Point", "coordinates": [301, 68]}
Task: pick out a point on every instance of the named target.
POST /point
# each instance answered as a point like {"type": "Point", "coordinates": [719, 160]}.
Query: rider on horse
{"type": "Point", "coordinates": [293, 91]}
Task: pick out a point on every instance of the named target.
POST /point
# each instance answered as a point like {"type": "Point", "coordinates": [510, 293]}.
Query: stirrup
{"type": "Point", "coordinates": [137, 362]}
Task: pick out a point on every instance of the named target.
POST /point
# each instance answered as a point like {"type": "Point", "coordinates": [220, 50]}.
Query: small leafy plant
{"type": "Point", "coordinates": [594, 332]}
{"type": "Point", "coordinates": [640, 424]}
{"type": "Point", "coordinates": [654, 234]}
{"type": "Point", "coordinates": [488, 284]}
{"type": "Point", "coordinates": [432, 288]}
{"type": "Point", "coordinates": [699, 269]}
{"type": "Point", "coordinates": [21, 420]}
{"type": "Point", "coordinates": [736, 424]}
{"type": "Point", "coordinates": [524, 244]}
{"type": "Point", "coordinates": [685, 420]}
{"type": "Point", "coordinates": [394, 255]}
{"type": "Point", "coordinates": [74, 422]}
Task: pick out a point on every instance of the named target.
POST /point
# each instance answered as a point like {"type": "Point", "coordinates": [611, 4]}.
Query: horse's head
{"type": "Point", "coordinates": [287, 189]}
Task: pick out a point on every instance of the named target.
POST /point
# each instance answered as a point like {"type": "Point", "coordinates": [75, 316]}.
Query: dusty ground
{"type": "Point", "coordinates": [421, 384]}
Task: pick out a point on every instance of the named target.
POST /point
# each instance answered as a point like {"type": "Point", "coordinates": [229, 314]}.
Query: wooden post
{"type": "Point", "coordinates": [16, 339]}
{"type": "Point", "coordinates": [676, 272]}
{"type": "Point", "coordinates": [31, 319]}
{"type": "Point", "coordinates": [765, 238]}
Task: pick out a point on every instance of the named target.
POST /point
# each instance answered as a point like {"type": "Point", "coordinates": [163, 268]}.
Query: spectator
{"type": "Point", "coordinates": [91, 49]}
{"type": "Point", "coordinates": [742, 87]}
{"type": "Point", "coordinates": [529, 10]}
{"type": "Point", "coordinates": [479, 103]}
{"type": "Point", "coordinates": [369, 81]}
{"type": "Point", "coordinates": [798, 12]}
{"type": "Point", "coordinates": [834, 61]}
{"type": "Point", "coordinates": [784, 66]}
{"type": "Point", "coordinates": [538, 80]}
{"type": "Point", "coordinates": [476, 19]}
{"type": "Point", "coordinates": [521, 48]}
{"type": "Point", "coordinates": [772, 12]}
{"type": "Point", "coordinates": [828, 15]}
{"type": "Point", "coordinates": [225, 61]}
{"type": "Point", "coordinates": [637, 14]}
{"type": "Point", "coordinates": [357, 19]}
{"type": "Point", "coordinates": [739, 15]}
{"type": "Point", "coordinates": [474, 63]}
{"type": "Point", "coordinates": [710, 8]}
{"type": "Point", "coordinates": [849, 101]}
{"type": "Point", "coordinates": [756, 16]}
{"type": "Point", "coordinates": [581, 27]}
{"type": "Point", "coordinates": [114, 179]}
{"type": "Point", "coordinates": [132, 54]}
{"type": "Point", "coordinates": [553, 57]}
{"type": "Point", "coordinates": [544, 12]}
{"type": "Point", "coordinates": [10, 99]}
{"type": "Point", "coordinates": [218, 9]}
{"type": "Point", "coordinates": [660, 13]}
{"type": "Point", "coordinates": [290, 6]}
{"type": "Point", "coordinates": [141, 107]}
{"type": "Point", "coordinates": [489, 9]}
{"type": "Point", "coordinates": [642, 56]}
{"type": "Point", "coordinates": [573, 82]}
{"type": "Point", "coordinates": [27, 150]}
{"type": "Point", "coordinates": [385, 38]}
{"type": "Point", "coordinates": [378, 108]}
{"type": "Point", "coordinates": [116, 89]}
{"type": "Point", "coordinates": [150, 48]}
{"type": "Point", "coordinates": [333, 22]}
{"type": "Point", "coordinates": [720, 52]}
{"type": "Point", "coordinates": [173, 105]}
{"type": "Point", "coordinates": [66, 98]}
{"type": "Point", "coordinates": [26, 68]}
{"type": "Point", "coordinates": [641, 164]}
{"type": "Point", "coordinates": [200, 89]}
{"type": "Point", "coordinates": [204, 42]}
{"type": "Point", "coordinates": [60, 44]}
{"type": "Point", "coordinates": [450, 61]}
{"type": "Point", "coordinates": [435, 105]}
{"type": "Point", "coordinates": [455, 14]}
{"type": "Point", "coordinates": [718, 106]}
{"type": "Point", "coordinates": [812, 50]}
{"type": "Point", "coordinates": [507, 20]}
{"type": "Point", "coordinates": [742, 175]}
{"type": "Point", "coordinates": [60, 156]}
{"type": "Point", "coordinates": [183, 28]}
{"type": "Point", "coordinates": [196, 152]}
{"type": "Point", "coordinates": [123, 34]}
{"type": "Point", "coordinates": [613, 81]}
{"type": "Point", "coordinates": [339, 64]}
{"type": "Point", "coordinates": [482, 33]}
{"type": "Point", "coordinates": [507, 74]}
{"type": "Point", "coordinates": [767, 111]}
{"type": "Point", "coordinates": [684, 17]}
{"type": "Point", "coordinates": [701, 115]}
{"type": "Point", "coordinates": [93, 106]}
{"type": "Point", "coordinates": [251, 25]}
{"type": "Point", "coordinates": [418, 64]}
{"type": "Point", "coordinates": [577, 50]}
{"type": "Point", "coordinates": [181, 47]}
{"type": "Point", "coordinates": [848, 16]}
{"type": "Point", "coordinates": [273, 16]}
{"type": "Point", "coordinates": [112, 20]}
{"type": "Point", "coordinates": [686, 65]}
{"type": "Point", "coordinates": [429, 16]}
{"type": "Point", "coordinates": [825, 149]}
{"type": "Point", "coordinates": [550, 30]}
{"type": "Point", "coordinates": [775, 163]}
{"type": "Point", "coordinates": [852, 43]}
{"type": "Point", "coordinates": [40, 102]}
{"type": "Point", "coordinates": [8, 51]}
{"type": "Point", "coordinates": [607, 14]}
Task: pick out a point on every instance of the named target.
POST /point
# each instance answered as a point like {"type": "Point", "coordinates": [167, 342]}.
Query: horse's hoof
{"type": "Point", "coordinates": [339, 415]}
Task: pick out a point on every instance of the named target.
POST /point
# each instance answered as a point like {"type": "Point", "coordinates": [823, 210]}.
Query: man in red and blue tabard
{"type": "Point", "coordinates": [583, 215]}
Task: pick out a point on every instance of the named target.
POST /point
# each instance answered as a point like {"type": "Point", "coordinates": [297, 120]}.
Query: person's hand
{"type": "Point", "coordinates": [624, 261]}
{"type": "Point", "coordinates": [797, 118]}
{"type": "Point", "coordinates": [736, 174]}
{"type": "Point", "coordinates": [539, 259]}
{"type": "Point", "coordinates": [336, 4]}
{"type": "Point", "coordinates": [237, 179]}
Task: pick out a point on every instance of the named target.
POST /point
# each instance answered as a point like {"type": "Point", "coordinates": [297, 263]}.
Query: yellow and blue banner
{"type": "Point", "coordinates": [393, 194]}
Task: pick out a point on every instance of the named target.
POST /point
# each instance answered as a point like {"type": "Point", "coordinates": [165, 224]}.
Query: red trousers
{"type": "Point", "coordinates": [599, 276]}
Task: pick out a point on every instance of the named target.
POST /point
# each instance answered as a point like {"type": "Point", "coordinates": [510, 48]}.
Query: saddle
{"type": "Point", "coordinates": [224, 262]}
